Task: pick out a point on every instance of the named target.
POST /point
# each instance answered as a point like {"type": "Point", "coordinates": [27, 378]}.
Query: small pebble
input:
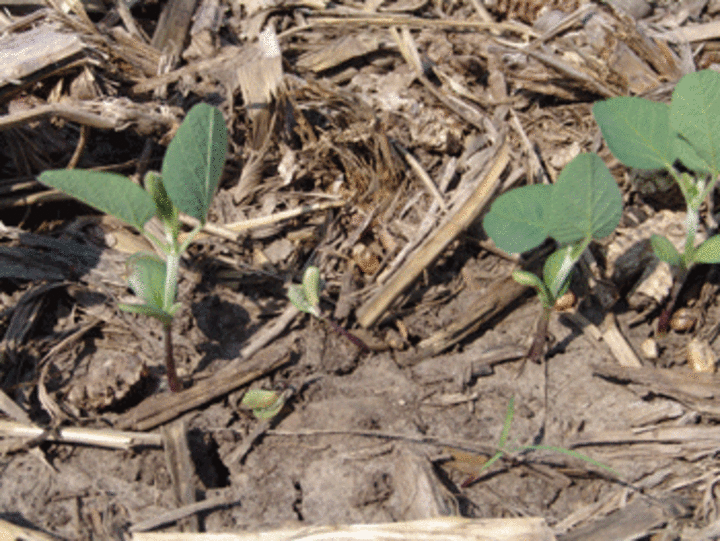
{"type": "Point", "coordinates": [649, 349]}
{"type": "Point", "coordinates": [700, 356]}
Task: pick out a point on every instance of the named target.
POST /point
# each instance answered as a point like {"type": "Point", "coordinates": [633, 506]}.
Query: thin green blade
{"type": "Point", "coordinates": [108, 192]}
{"type": "Point", "coordinates": [195, 159]}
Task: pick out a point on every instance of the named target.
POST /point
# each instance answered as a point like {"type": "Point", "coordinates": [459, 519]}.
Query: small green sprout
{"type": "Point", "coordinates": [502, 449]}
{"type": "Point", "coordinates": [191, 171]}
{"type": "Point", "coordinates": [584, 204]}
{"type": "Point", "coordinates": [264, 404]}
{"type": "Point", "coordinates": [306, 298]}
{"type": "Point", "coordinates": [649, 135]}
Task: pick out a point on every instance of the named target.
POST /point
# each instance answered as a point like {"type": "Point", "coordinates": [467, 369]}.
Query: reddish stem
{"type": "Point", "coordinates": [173, 381]}
{"type": "Point", "coordinates": [537, 349]}
{"type": "Point", "coordinates": [341, 330]}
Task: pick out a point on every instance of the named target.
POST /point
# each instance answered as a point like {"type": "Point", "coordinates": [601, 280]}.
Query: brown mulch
{"type": "Point", "coordinates": [369, 140]}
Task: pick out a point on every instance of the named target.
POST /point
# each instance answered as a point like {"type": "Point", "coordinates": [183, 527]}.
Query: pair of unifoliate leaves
{"type": "Point", "coordinates": [306, 296]}
{"type": "Point", "coordinates": [191, 171]}
{"type": "Point", "coordinates": [650, 135]}
{"type": "Point", "coordinates": [584, 204]}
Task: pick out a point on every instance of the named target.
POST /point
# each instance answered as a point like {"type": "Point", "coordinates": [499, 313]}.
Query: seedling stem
{"type": "Point", "coordinates": [191, 172]}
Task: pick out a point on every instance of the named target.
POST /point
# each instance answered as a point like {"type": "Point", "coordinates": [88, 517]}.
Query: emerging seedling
{"type": "Point", "coordinates": [649, 135]}
{"type": "Point", "coordinates": [190, 175]}
{"type": "Point", "coordinates": [584, 204]}
{"type": "Point", "coordinates": [306, 298]}
{"type": "Point", "coordinates": [503, 449]}
{"type": "Point", "coordinates": [264, 404]}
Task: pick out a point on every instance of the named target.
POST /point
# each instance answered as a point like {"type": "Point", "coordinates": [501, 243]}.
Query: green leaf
{"type": "Point", "coordinates": [270, 411]}
{"type": "Point", "coordinates": [146, 277]}
{"type": "Point", "coordinates": [108, 192]}
{"type": "Point", "coordinates": [557, 272]}
{"type": "Point", "coordinates": [708, 251]}
{"type": "Point", "coordinates": [259, 398]}
{"type": "Point", "coordinates": [517, 221]}
{"type": "Point", "coordinates": [296, 294]}
{"type": "Point", "coordinates": [265, 404]}
{"type": "Point", "coordinates": [526, 278]}
{"type": "Point", "coordinates": [195, 159]}
{"type": "Point", "coordinates": [311, 285]}
{"type": "Point", "coordinates": [694, 119]}
{"type": "Point", "coordinates": [147, 310]}
{"type": "Point", "coordinates": [665, 250]}
{"type": "Point", "coordinates": [636, 131]}
{"type": "Point", "coordinates": [586, 202]}
{"type": "Point", "coordinates": [165, 210]}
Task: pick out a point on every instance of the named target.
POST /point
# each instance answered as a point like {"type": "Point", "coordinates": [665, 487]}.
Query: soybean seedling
{"type": "Point", "coordinates": [649, 135]}
{"type": "Point", "coordinates": [190, 175]}
{"type": "Point", "coordinates": [306, 298]}
{"type": "Point", "coordinates": [264, 404]}
{"type": "Point", "coordinates": [584, 204]}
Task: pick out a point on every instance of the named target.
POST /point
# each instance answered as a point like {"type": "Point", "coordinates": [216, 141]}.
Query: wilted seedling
{"type": "Point", "coordinates": [264, 404]}
{"type": "Point", "coordinates": [306, 298]}
{"type": "Point", "coordinates": [649, 135]}
{"type": "Point", "coordinates": [584, 204]}
{"type": "Point", "coordinates": [191, 171]}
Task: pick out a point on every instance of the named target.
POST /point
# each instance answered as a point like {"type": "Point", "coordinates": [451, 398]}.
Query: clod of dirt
{"type": "Point", "coordinates": [111, 377]}
{"type": "Point", "coordinates": [630, 254]}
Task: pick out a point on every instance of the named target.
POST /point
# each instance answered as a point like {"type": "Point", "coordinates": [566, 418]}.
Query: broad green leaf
{"type": "Point", "coordinates": [108, 192]}
{"type": "Point", "coordinates": [694, 118]}
{"type": "Point", "coordinates": [146, 277]}
{"type": "Point", "coordinates": [517, 220]}
{"type": "Point", "coordinates": [708, 251]}
{"type": "Point", "coordinates": [259, 398]}
{"type": "Point", "coordinates": [636, 131]}
{"type": "Point", "coordinates": [586, 202]}
{"type": "Point", "coordinates": [665, 250]}
{"type": "Point", "coordinates": [165, 210]}
{"type": "Point", "coordinates": [311, 285]}
{"type": "Point", "coordinates": [195, 159]}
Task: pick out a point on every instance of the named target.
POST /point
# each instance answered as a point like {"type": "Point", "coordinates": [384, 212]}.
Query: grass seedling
{"type": "Point", "coordinates": [191, 171]}
{"type": "Point", "coordinates": [503, 449]}
{"type": "Point", "coordinates": [306, 298]}
{"type": "Point", "coordinates": [682, 138]}
{"type": "Point", "coordinates": [584, 204]}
